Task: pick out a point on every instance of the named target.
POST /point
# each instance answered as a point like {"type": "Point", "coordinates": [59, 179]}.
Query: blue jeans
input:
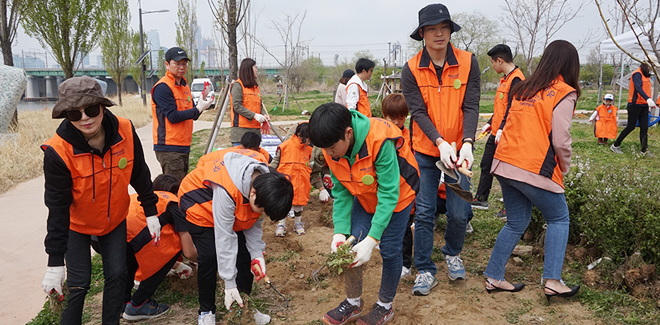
{"type": "Point", "coordinates": [518, 200]}
{"type": "Point", "coordinates": [458, 214]}
{"type": "Point", "coordinates": [391, 243]}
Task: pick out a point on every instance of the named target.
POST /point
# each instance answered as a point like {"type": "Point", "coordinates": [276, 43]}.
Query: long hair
{"type": "Point", "coordinates": [559, 58]}
{"type": "Point", "coordinates": [646, 70]}
{"type": "Point", "coordinates": [246, 74]}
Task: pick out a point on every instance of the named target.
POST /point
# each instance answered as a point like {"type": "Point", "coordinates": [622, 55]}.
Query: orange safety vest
{"type": "Point", "coordinates": [266, 155]}
{"type": "Point", "coordinates": [606, 124]}
{"type": "Point", "coordinates": [363, 105]}
{"type": "Point", "coordinates": [151, 258]}
{"type": "Point", "coordinates": [164, 131]}
{"type": "Point", "coordinates": [196, 195]}
{"type": "Point", "coordinates": [251, 101]}
{"type": "Point", "coordinates": [444, 102]}
{"type": "Point", "coordinates": [361, 180]}
{"type": "Point", "coordinates": [502, 97]}
{"type": "Point", "coordinates": [294, 162]}
{"type": "Point", "coordinates": [633, 96]}
{"type": "Point", "coordinates": [99, 185]}
{"type": "Point", "coordinates": [257, 155]}
{"type": "Point", "coordinates": [527, 139]}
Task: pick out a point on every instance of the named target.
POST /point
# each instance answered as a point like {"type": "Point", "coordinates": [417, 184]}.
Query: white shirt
{"type": "Point", "coordinates": [353, 92]}
{"type": "Point", "coordinates": [340, 96]}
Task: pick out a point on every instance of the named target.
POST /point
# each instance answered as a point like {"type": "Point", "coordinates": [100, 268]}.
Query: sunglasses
{"type": "Point", "coordinates": [76, 115]}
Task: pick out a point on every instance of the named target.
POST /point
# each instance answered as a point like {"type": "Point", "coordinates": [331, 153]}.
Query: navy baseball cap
{"type": "Point", "coordinates": [176, 54]}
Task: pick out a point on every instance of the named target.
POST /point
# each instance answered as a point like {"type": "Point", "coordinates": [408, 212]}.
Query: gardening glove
{"type": "Point", "coordinates": [232, 295]}
{"type": "Point", "coordinates": [258, 268]}
{"type": "Point", "coordinates": [183, 271]}
{"type": "Point", "coordinates": [337, 239]}
{"type": "Point", "coordinates": [363, 251]}
{"type": "Point", "coordinates": [260, 118]}
{"type": "Point", "coordinates": [324, 196]}
{"type": "Point", "coordinates": [204, 103]}
{"type": "Point", "coordinates": [153, 224]}
{"type": "Point", "coordinates": [498, 136]}
{"type": "Point", "coordinates": [327, 181]}
{"type": "Point", "coordinates": [466, 155]}
{"type": "Point", "coordinates": [447, 154]}
{"type": "Point", "coordinates": [486, 128]}
{"type": "Point", "coordinates": [53, 280]}
{"type": "Point", "coordinates": [650, 102]}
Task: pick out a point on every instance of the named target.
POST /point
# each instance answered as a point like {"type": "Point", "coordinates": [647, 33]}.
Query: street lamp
{"type": "Point", "coordinates": [144, 54]}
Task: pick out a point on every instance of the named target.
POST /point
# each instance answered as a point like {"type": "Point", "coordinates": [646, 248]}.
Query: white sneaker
{"type": "Point", "coordinates": [469, 229]}
{"type": "Point", "coordinates": [206, 318]}
{"type": "Point", "coordinates": [405, 272]}
{"type": "Point", "coordinates": [261, 319]}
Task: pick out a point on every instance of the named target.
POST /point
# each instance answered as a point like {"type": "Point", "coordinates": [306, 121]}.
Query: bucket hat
{"type": "Point", "coordinates": [79, 92]}
{"type": "Point", "coordinates": [433, 14]}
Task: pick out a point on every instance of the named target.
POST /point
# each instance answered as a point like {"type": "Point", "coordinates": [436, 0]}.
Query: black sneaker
{"type": "Point", "coordinates": [477, 204]}
{"type": "Point", "coordinates": [501, 214]}
{"type": "Point", "coordinates": [377, 316]}
{"type": "Point", "coordinates": [344, 313]}
{"type": "Point", "coordinates": [148, 309]}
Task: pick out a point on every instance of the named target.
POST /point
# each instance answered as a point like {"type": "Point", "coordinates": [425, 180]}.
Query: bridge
{"type": "Point", "coordinates": [42, 83]}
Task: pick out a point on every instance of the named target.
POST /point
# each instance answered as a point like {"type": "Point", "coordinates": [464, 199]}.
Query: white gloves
{"type": "Point", "coordinates": [447, 154]}
{"type": "Point", "coordinates": [183, 271]}
{"type": "Point", "coordinates": [232, 295]}
{"type": "Point", "coordinates": [258, 268]}
{"type": "Point", "coordinates": [324, 196]}
{"type": "Point", "coordinates": [203, 104]}
{"type": "Point", "coordinates": [498, 136]}
{"type": "Point", "coordinates": [154, 228]}
{"type": "Point", "coordinates": [363, 251]}
{"type": "Point", "coordinates": [53, 280]}
{"type": "Point", "coordinates": [650, 102]}
{"type": "Point", "coordinates": [337, 239]}
{"type": "Point", "coordinates": [260, 118]}
{"type": "Point", "coordinates": [466, 155]}
{"type": "Point", "coordinates": [486, 128]}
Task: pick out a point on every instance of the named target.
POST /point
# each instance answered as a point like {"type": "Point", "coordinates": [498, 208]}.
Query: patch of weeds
{"type": "Point", "coordinates": [292, 267]}
{"type": "Point", "coordinates": [476, 269]}
{"type": "Point", "coordinates": [486, 229]}
{"type": "Point", "coordinates": [326, 298]}
{"type": "Point", "coordinates": [437, 254]}
{"type": "Point", "coordinates": [286, 256]}
{"type": "Point", "coordinates": [96, 285]}
{"type": "Point", "coordinates": [619, 307]}
{"type": "Point", "coordinates": [315, 322]}
{"type": "Point", "coordinates": [513, 315]}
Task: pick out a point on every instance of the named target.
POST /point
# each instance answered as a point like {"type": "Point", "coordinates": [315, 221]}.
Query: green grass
{"type": "Point", "coordinates": [619, 307]}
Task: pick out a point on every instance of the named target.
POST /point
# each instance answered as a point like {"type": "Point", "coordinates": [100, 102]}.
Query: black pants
{"type": "Point", "coordinates": [147, 286]}
{"type": "Point", "coordinates": [486, 178]}
{"type": "Point", "coordinates": [207, 268]}
{"type": "Point", "coordinates": [636, 113]}
{"type": "Point", "coordinates": [407, 251]}
{"type": "Point", "coordinates": [79, 274]}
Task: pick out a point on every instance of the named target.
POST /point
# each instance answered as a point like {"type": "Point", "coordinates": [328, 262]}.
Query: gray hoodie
{"type": "Point", "coordinates": [240, 169]}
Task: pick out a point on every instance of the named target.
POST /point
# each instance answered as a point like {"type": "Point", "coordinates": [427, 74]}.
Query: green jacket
{"type": "Point", "coordinates": [387, 174]}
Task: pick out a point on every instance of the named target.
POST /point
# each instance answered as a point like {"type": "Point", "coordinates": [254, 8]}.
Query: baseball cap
{"type": "Point", "coordinates": [433, 14]}
{"type": "Point", "coordinates": [348, 73]}
{"type": "Point", "coordinates": [608, 96]}
{"type": "Point", "coordinates": [176, 54]}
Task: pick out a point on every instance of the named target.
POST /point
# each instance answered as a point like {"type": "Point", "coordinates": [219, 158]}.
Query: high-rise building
{"type": "Point", "coordinates": [153, 44]}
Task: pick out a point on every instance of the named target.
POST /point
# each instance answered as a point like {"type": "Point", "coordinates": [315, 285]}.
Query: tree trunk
{"type": "Point", "coordinates": [119, 90]}
{"type": "Point", "coordinates": [7, 54]}
{"type": "Point", "coordinates": [231, 34]}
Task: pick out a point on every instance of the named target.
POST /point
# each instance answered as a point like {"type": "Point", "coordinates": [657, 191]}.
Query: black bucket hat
{"type": "Point", "coordinates": [433, 14]}
{"type": "Point", "coordinates": [79, 92]}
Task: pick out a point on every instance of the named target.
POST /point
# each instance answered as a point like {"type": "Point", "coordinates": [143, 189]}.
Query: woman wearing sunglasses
{"type": "Point", "coordinates": [88, 165]}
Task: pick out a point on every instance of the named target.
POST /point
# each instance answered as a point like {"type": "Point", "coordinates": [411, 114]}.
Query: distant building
{"type": "Point", "coordinates": [153, 44]}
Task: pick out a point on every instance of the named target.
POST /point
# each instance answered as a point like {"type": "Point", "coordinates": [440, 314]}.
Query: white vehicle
{"type": "Point", "coordinates": [197, 87]}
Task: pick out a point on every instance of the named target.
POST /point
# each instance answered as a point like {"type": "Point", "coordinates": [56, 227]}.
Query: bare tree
{"type": "Point", "coordinates": [8, 25]}
{"type": "Point", "coordinates": [186, 33]}
{"type": "Point", "coordinates": [229, 14]}
{"type": "Point", "coordinates": [477, 34]}
{"type": "Point", "coordinates": [248, 27]}
{"type": "Point", "coordinates": [533, 23]}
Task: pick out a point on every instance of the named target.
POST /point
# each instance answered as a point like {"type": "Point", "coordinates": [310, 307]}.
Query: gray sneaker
{"type": "Point", "coordinates": [647, 154]}
{"type": "Point", "coordinates": [616, 149]}
{"type": "Point", "coordinates": [478, 204]}
{"type": "Point", "coordinates": [455, 267]}
{"type": "Point", "coordinates": [424, 282]}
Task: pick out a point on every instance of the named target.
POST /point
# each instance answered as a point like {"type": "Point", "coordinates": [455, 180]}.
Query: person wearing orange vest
{"type": "Point", "coordinates": [531, 159]}
{"type": "Point", "coordinates": [605, 120]}
{"type": "Point", "coordinates": [224, 198]}
{"type": "Point", "coordinates": [375, 180]}
{"type": "Point", "coordinates": [441, 85]}
{"type": "Point", "coordinates": [293, 159]}
{"type": "Point", "coordinates": [173, 111]}
{"type": "Point", "coordinates": [246, 112]}
{"type": "Point", "coordinates": [151, 264]}
{"type": "Point", "coordinates": [88, 165]}
{"type": "Point", "coordinates": [639, 105]}
{"type": "Point", "coordinates": [357, 91]}
{"type": "Point", "coordinates": [501, 60]}
{"type": "Point", "coordinates": [252, 141]}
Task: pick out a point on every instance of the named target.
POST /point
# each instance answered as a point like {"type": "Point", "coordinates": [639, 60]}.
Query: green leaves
{"type": "Point", "coordinates": [340, 260]}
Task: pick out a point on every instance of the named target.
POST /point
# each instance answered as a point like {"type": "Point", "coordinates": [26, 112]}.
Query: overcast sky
{"type": "Point", "coordinates": [340, 27]}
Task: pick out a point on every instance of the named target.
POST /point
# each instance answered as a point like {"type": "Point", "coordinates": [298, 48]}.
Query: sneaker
{"type": "Point", "coordinates": [646, 154]}
{"type": "Point", "coordinates": [378, 315]}
{"type": "Point", "coordinates": [300, 228]}
{"type": "Point", "coordinates": [206, 318]}
{"type": "Point", "coordinates": [344, 313]}
{"type": "Point", "coordinates": [260, 318]}
{"type": "Point", "coordinates": [424, 282]}
{"type": "Point", "coordinates": [405, 271]}
{"type": "Point", "coordinates": [455, 267]}
{"type": "Point", "coordinates": [149, 309]}
{"type": "Point", "coordinates": [280, 231]}
{"type": "Point", "coordinates": [291, 214]}
{"type": "Point", "coordinates": [501, 214]}
{"type": "Point", "coordinates": [616, 149]}
{"type": "Point", "coordinates": [469, 229]}
{"type": "Point", "coordinates": [482, 205]}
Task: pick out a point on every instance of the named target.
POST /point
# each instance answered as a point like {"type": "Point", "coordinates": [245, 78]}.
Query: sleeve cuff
{"type": "Point", "coordinates": [150, 210]}
{"type": "Point", "coordinates": [230, 284]}
{"type": "Point", "coordinates": [55, 260]}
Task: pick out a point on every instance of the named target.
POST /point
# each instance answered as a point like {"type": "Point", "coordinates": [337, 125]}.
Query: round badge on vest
{"type": "Point", "coordinates": [122, 163]}
{"type": "Point", "coordinates": [501, 95]}
{"type": "Point", "coordinates": [457, 84]}
{"type": "Point", "coordinates": [367, 179]}
{"type": "Point", "coordinates": [189, 98]}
